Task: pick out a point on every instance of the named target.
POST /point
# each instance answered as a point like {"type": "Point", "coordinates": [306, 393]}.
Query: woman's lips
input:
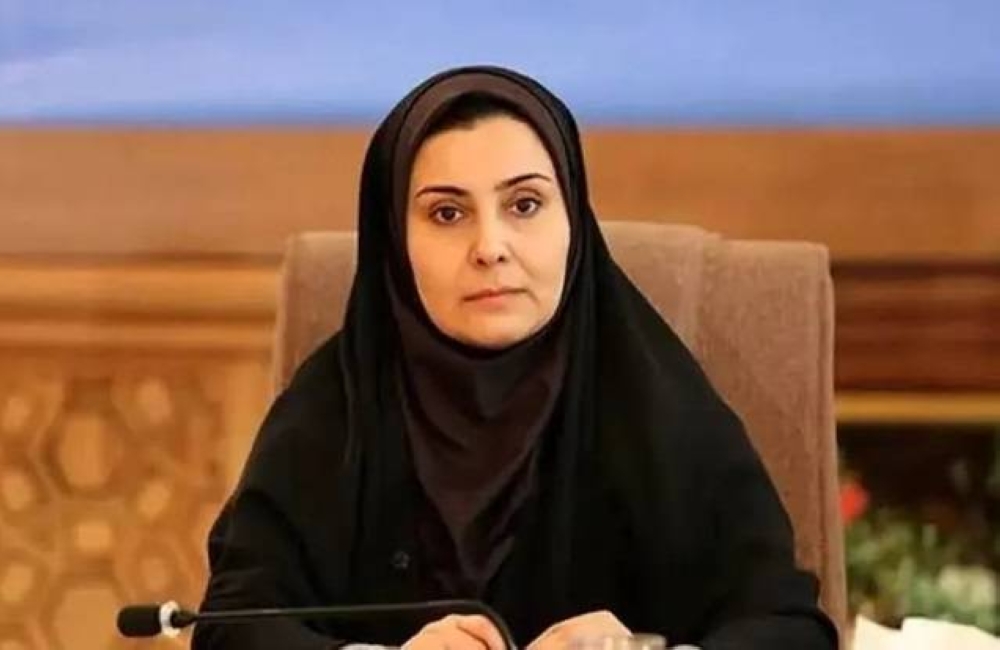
{"type": "Point", "coordinates": [492, 294]}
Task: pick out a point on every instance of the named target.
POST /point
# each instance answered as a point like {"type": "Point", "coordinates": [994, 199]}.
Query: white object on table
{"type": "Point", "coordinates": [921, 634]}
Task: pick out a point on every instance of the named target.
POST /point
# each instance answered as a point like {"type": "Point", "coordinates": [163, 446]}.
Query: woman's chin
{"type": "Point", "coordinates": [495, 336]}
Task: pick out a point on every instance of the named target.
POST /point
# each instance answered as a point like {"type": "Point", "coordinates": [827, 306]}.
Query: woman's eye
{"type": "Point", "coordinates": [446, 214]}
{"type": "Point", "coordinates": [526, 206]}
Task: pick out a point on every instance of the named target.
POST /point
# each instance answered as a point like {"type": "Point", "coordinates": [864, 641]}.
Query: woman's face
{"type": "Point", "coordinates": [488, 232]}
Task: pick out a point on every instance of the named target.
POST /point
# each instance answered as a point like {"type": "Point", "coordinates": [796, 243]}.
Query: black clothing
{"type": "Point", "coordinates": [636, 489]}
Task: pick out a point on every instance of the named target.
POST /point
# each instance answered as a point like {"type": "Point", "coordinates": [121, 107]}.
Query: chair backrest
{"type": "Point", "coordinates": [758, 316]}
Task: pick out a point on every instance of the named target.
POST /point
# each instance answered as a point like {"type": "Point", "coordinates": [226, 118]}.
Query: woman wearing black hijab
{"type": "Point", "coordinates": [504, 417]}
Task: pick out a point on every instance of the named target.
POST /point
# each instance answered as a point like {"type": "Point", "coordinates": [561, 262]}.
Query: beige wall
{"type": "Point", "coordinates": [128, 394]}
{"type": "Point", "coordinates": [865, 194]}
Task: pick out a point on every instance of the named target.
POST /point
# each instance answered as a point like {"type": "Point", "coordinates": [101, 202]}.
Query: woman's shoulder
{"type": "Point", "coordinates": [293, 463]}
{"type": "Point", "coordinates": [309, 414]}
{"type": "Point", "coordinates": [311, 382]}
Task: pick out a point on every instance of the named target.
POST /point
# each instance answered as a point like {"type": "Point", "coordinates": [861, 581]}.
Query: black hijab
{"type": "Point", "coordinates": [473, 419]}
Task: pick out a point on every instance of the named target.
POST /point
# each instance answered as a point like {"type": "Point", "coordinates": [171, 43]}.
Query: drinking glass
{"type": "Point", "coordinates": [620, 642]}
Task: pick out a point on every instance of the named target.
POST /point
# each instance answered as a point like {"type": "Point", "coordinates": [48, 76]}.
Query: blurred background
{"type": "Point", "coordinates": [155, 156]}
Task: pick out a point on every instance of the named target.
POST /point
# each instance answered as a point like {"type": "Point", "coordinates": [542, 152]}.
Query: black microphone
{"type": "Point", "coordinates": [169, 618]}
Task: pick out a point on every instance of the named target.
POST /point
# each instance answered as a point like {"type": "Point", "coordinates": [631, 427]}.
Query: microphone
{"type": "Point", "coordinates": [169, 618]}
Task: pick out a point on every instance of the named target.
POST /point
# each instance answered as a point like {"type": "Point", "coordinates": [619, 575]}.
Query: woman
{"type": "Point", "coordinates": [504, 417]}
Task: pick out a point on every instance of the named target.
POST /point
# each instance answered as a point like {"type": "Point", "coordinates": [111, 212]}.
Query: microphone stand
{"type": "Point", "coordinates": [172, 618]}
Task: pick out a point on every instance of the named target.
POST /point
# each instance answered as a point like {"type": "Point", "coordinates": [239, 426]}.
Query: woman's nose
{"type": "Point", "coordinates": [490, 246]}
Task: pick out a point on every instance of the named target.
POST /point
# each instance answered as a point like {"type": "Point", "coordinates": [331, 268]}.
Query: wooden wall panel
{"type": "Point", "coordinates": [866, 194]}
{"type": "Point", "coordinates": [918, 326]}
{"type": "Point", "coordinates": [113, 466]}
{"type": "Point", "coordinates": [129, 394]}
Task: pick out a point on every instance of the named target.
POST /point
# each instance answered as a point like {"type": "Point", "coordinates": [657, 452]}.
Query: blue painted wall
{"type": "Point", "coordinates": [624, 62]}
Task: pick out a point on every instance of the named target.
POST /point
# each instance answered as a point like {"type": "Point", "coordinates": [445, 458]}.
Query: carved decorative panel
{"type": "Point", "coordinates": [128, 396]}
{"type": "Point", "coordinates": [111, 470]}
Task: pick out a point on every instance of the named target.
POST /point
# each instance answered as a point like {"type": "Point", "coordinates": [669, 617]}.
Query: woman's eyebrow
{"type": "Point", "coordinates": [454, 190]}
{"type": "Point", "coordinates": [442, 189]}
{"type": "Point", "coordinates": [510, 182]}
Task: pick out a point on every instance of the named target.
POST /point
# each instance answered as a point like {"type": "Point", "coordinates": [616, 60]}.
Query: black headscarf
{"type": "Point", "coordinates": [473, 420]}
{"type": "Point", "coordinates": [473, 417]}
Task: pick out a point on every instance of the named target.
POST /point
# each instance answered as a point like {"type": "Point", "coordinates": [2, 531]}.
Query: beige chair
{"type": "Point", "coordinates": [758, 315]}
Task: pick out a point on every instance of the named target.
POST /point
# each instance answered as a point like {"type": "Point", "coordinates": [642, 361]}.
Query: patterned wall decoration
{"type": "Point", "coordinates": [113, 463]}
